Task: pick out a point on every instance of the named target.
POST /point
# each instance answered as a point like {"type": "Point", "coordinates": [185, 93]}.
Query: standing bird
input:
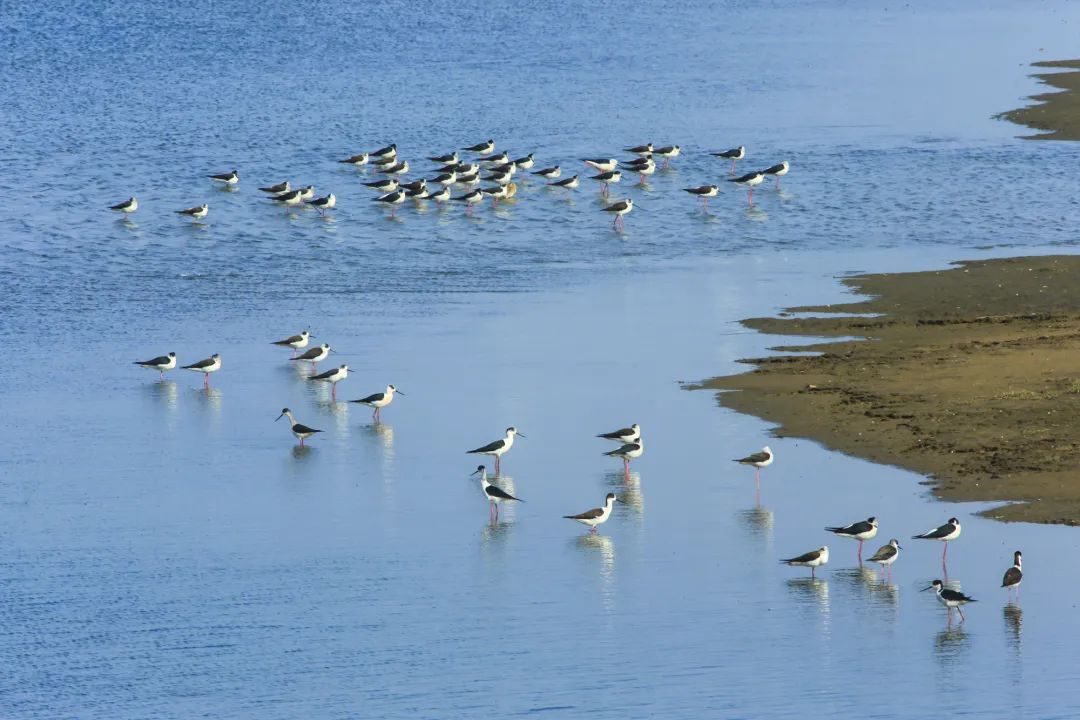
{"type": "Point", "coordinates": [950, 598]}
{"type": "Point", "coordinates": [641, 150]}
{"type": "Point", "coordinates": [494, 494]}
{"type": "Point", "coordinates": [446, 179]}
{"type": "Point", "coordinates": [549, 173]}
{"type": "Point", "coordinates": [704, 192]}
{"type": "Point", "coordinates": [291, 198]}
{"type": "Point", "coordinates": [569, 183]}
{"type": "Point", "coordinates": [749, 181]}
{"type": "Point", "coordinates": [1014, 575]}
{"type": "Point", "coordinates": [387, 186]}
{"type": "Point", "coordinates": [759, 460]}
{"type": "Point", "coordinates": [160, 363]}
{"type": "Point", "coordinates": [333, 377]}
{"type": "Point", "coordinates": [606, 179]}
{"type": "Point", "coordinates": [863, 530]}
{"type": "Point", "coordinates": [627, 452]}
{"type": "Point", "coordinates": [207, 366]}
{"type": "Point", "coordinates": [886, 555]}
{"type": "Point", "coordinates": [623, 435]}
{"type": "Point", "coordinates": [315, 355]}
{"type": "Point", "coordinates": [327, 202]}
{"type": "Point", "coordinates": [396, 169]}
{"type": "Point", "coordinates": [484, 148]}
{"type": "Point", "coordinates": [387, 153]}
{"type": "Point", "coordinates": [393, 199]}
{"type": "Point", "coordinates": [778, 171]}
{"type": "Point", "coordinates": [296, 342]}
{"type": "Point", "coordinates": [471, 198]}
{"type": "Point", "coordinates": [945, 533]}
{"type": "Point", "coordinates": [494, 159]}
{"type": "Point", "coordinates": [358, 160]}
{"type": "Point", "coordinates": [643, 169]}
{"type": "Point", "coordinates": [619, 208]}
{"type": "Point", "coordinates": [195, 213]}
{"type": "Point", "coordinates": [813, 559]}
{"type": "Point", "coordinates": [668, 152]}
{"type": "Point", "coordinates": [379, 401]}
{"type": "Point", "coordinates": [440, 196]}
{"type": "Point", "coordinates": [301, 432]}
{"type": "Point", "coordinates": [497, 448]}
{"type": "Point", "coordinates": [734, 154]}
{"type": "Point", "coordinates": [524, 163]}
{"type": "Point", "coordinates": [281, 187]}
{"type": "Point", "coordinates": [596, 516]}
{"type": "Point", "coordinates": [127, 207]}
{"type": "Point", "coordinates": [230, 178]}
{"type": "Point", "coordinates": [446, 160]}
{"type": "Point", "coordinates": [601, 164]}
{"type": "Point", "coordinates": [497, 193]}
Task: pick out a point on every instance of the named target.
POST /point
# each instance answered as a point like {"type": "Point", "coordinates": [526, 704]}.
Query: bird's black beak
{"type": "Point", "coordinates": [899, 546]}
{"type": "Point", "coordinates": [929, 587]}
{"type": "Point", "coordinates": [519, 434]}
{"type": "Point", "coordinates": [399, 392]}
{"type": "Point", "coordinates": [279, 417]}
{"type": "Point", "coordinates": [475, 472]}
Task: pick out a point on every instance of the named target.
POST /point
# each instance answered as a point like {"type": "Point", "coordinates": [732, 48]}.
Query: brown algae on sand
{"type": "Point", "coordinates": [969, 375]}
{"type": "Point", "coordinates": [1055, 114]}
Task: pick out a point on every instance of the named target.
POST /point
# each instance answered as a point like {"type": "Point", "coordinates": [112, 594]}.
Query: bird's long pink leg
{"type": "Point", "coordinates": [333, 391]}
{"type": "Point", "coordinates": [750, 197]}
{"type": "Point", "coordinates": [732, 167]}
{"type": "Point", "coordinates": [860, 552]}
{"type": "Point", "coordinates": [496, 464]}
{"type": "Point", "coordinates": [206, 380]}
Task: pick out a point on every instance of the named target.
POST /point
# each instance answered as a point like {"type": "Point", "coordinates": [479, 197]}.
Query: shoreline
{"type": "Point", "coordinates": [969, 376]}
{"type": "Point", "coordinates": [1055, 113]}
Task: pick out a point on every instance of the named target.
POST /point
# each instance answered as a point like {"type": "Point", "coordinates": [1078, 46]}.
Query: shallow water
{"type": "Point", "coordinates": [170, 554]}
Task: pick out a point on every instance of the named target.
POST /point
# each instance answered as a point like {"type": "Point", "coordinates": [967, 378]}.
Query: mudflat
{"type": "Point", "coordinates": [1055, 114]}
{"type": "Point", "coordinates": [969, 375]}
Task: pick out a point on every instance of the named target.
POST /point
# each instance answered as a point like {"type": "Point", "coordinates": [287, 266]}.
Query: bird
{"type": "Point", "coordinates": [945, 533]}
{"type": "Point", "coordinates": [333, 377]}
{"type": "Point", "coordinates": [494, 159]}
{"type": "Point", "coordinates": [289, 199]}
{"type": "Point", "coordinates": [415, 185]}
{"type": "Point", "coordinates": [495, 494]}
{"type": "Point", "coordinates": [446, 179]}
{"type": "Point", "coordinates": [315, 355]}
{"type": "Point", "coordinates": [667, 152]}
{"type": "Point", "coordinates": [499, 447]}
{"type": "Point", "coordinates": [468, 179]}
{"type": "Point", "coordinates": [386, 153]}
{"type": "Point", "coordinates": [524, 163]}
{"type": "Point", "coordinates": [749, 181]}
{"type": "Point", "coordinates": [704, 192]}
{"type": "Point", "coordinates": [388, 185]}
{"type": "Point", "coordinates": [419, 193]}
{"type": "Point", "coordinates": [357, 160]}
{"type": "Point", "coordinates": [308, 192]}
{"type": "Point", "coordinates": [195, 213]}
{"type": "Point", "coordinates": [758, 460]}
{"type": "Point", "coordinates": [734, 154]}
{"type": "Point", "coordinates": [950, 598]}
{"type": "Point", "coordinates": [379, 400]}
{"type": "Point", "coordinates": [327, 202]}
{"type": "Point", "coordinates": [619, 208]}
{"type": "Point", "coordinates": [596, 516]}
{"type": "Point", "coordinates": [127, 207]}
{"type": "Point", "coordinates": [396, 169]}
{"type": "Point", "coordinates": [497, 193]}
{"type": "Point", "coordinates": [440, 196]}
{"type": "Point", "coordinates": [813, 559]}
{"type": "Point", "coordinates": [606, 179]}
{"type": "Point", "coordinates": [549, 173]}
{"type": "Point", "coordinates": [862, 530]}
{"type": "Point", "coordinates": [281, 187]}
{"type": "Point", "coordinates": [484, 148]}
{"type": "Point", "coordinates": [886, 554]}
{"type": "Point", "coordinates": [301, 431]}
{"type": "Point", "coordinates": [229, 178]}
{"type": "Point", "coordinates": [643, 169]}
{"type": "Point", "coordinates": [385, 162]}
{"type": "Point", "coordinates": [1014, 575]}
{"type": "Point", "coordinates": [623, 435]}
{"type": "Point", "coordinates": [500, 178]}
{"type": "Point", "coordinates": [160, 363]}
{"type": "Point", "coordinates": [601, 164]}
{"type": "Point", "coordinates": [640, 150]}
{"type": "Point", "coordinates": [778, 171]}
{"type": "Point", "coordinates": [207, 366]}
{"type": "Point", "coordinates": [448, 159]}
{"type": "Point", "coordinates": [569, 183]}
{"type": "Point", "coordinates": [296, 342]}
{"type": "Point", "coordinates": [393, 199]}
{"type": "Point", "coordinates": [466, 169]}
{"type": "Point", "coordinates": [627, 452]}
{"type": "Point", "coordinates": [472, 198]}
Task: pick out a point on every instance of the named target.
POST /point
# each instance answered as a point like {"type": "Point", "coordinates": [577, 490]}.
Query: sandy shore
{"type": "Point", "coordinates": [970, 376]}
{"type": "Point", "coordinates": [1057, 114]}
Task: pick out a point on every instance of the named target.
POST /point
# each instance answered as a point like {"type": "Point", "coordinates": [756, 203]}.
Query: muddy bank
{"type": "Point", "coordinates": [970, 376]}
{"type": "Point", "coordinates": [1056, 114]}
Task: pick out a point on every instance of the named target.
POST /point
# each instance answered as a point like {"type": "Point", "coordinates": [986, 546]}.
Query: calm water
{"type": "Point", "coordinates": [168, 553]}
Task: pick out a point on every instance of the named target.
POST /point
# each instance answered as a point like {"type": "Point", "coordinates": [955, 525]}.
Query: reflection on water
{"type": "Point", "coordinates": [871, 585]}
{"type": "Point", "coordinates": [627, 489]}
{"type": "Point", "coordinates": [209, 398]}
{"type": "Point", "coordinates": [757, 522]}
{"type": "Point", "coordinates": [495, 534]}
{"type": "Point", "coordinates": [163, 391]}
{"type": "Point", "coordinates": [1014, 623]}
{"type": "Point", "coordinates": [814, 589]}
{"type": "Point", "coordinates": [300, 452]}
{"type": "Point", "coordinates": [381, 435]}
{"type": "Point", "coordinates": [603, 547]}
{"type": "Point", "coordinates": [950, 646]}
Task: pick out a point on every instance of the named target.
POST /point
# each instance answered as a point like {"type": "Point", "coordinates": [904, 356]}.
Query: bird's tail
{"type": "Point", "coordinates": [833, 529]}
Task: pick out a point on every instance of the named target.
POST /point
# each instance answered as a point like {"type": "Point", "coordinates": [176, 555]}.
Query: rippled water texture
{"type": "Point", "coordinates": [167, 552]}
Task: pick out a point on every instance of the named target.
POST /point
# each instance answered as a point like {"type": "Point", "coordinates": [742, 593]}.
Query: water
{"type": "Point", "coordinates": [170, 554]}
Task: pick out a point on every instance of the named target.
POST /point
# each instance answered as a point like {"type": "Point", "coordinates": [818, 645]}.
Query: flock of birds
{"type": "Point", "coordinates": [498, 169]}
{"type": "Point", "coordinates": [631, 446]}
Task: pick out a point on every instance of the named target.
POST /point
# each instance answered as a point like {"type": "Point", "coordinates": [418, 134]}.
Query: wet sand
{"type": "Point", "coordinates": [1056, 114]}
{"type": "Point", "coordinates": [969, 375]}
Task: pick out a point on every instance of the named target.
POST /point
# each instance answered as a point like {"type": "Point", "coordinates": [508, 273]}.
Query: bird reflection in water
{"type": "Point", "coordinates": [381, 434]}
{"type": "Point", "coordinates": [603, 547]}
{"type": "Point", "coordinates": [873, 582]}
{"type": "Point", "coordinates": [1014, 622]}
{"type": "Point", "coordinates": [209, 397]}
{"type": "Point", "coordinates": [628, 488]}
{"type": "Point", "coordinates": [163, 391]}
{"type": "Point", "coordinates": [810, 588]}
{"type": "Point", "coordinates": [757, 521]}
{"type": "Point", "coordinates": [299, 452]}
{"type": "Point", "coordinates": [950, 645]}
{"type": "Point", "coordinates": [495, 533]}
